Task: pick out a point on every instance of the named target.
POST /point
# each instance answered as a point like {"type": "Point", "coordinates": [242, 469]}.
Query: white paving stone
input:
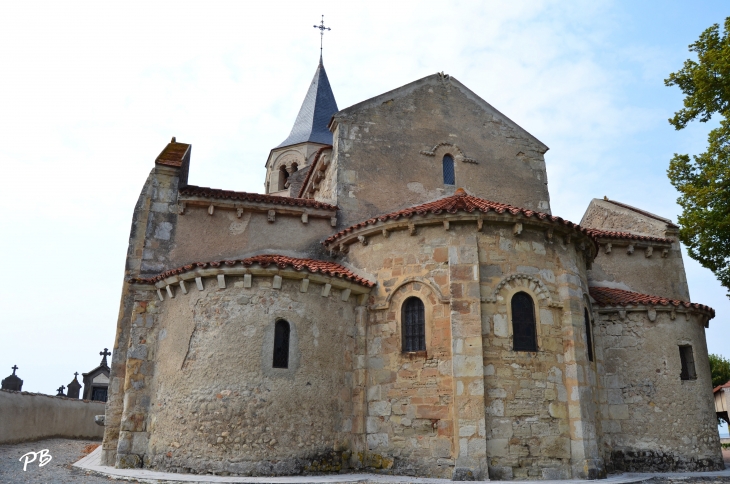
{"type": "Point", "coordinates": [92, 463]}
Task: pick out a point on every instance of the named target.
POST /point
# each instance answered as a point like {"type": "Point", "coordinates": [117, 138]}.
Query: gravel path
{"type": "Point", "coordinates": [64, 452]}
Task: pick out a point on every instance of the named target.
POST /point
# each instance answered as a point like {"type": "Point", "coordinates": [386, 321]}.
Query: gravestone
{"type": "Point", "coordinates": [13, 382]}
{"type": "Point", "coordinates": [96, 382]}
{"type": "Point", "coordinates": [74, 388]}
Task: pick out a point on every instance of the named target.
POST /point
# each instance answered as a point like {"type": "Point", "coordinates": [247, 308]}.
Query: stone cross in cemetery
{"type": "Point", "coordinates": [12, 382]}
{"type": "Point", "coordinates": [96, 382]}
{"type": "Point", "coordinates": [104, 353]}
{"type": "Point", "coordinates": [74, 388]}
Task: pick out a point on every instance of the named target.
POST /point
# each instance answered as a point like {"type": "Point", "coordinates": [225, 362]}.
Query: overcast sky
{"type": "Point", "coordinates": [90, 93]}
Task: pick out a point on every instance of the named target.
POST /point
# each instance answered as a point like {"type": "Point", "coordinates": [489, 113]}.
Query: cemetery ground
{"type": "Point", "coordinates": [65, 452]}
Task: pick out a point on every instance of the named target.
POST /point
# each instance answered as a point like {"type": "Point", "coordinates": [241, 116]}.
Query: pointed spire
{"type": "Point", "coordinates": [318, 107]}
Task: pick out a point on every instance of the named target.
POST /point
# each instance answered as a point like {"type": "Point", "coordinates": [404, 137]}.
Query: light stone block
{"type": "Point", "coordinates": [276, 283]}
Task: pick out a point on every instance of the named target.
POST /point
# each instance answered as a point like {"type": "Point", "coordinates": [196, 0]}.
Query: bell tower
{"type": "Point", "coordinates": [285, 167]}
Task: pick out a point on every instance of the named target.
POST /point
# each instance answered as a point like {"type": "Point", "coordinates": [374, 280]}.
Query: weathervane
{"type": "Point", "coordinates": [321, 28]}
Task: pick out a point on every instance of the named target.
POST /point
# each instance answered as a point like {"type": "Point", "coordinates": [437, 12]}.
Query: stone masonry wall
{"type": "Point", "coordinates": [218, 404]}
{"type": "Point", "coordinates": [202, 237]}
{"type": "Point", "coordinates": [151, 237]}
{"type": "Point", "coordinates": [380, 146]}
{"type": "Point", "coordinates": [653, 420]}
{"type": "Point", "coordinates": [536, 424]}
{"type": "Point", "coordinates": [536, 420]}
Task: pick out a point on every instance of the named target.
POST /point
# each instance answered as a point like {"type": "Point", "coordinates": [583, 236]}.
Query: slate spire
{"type": "Point", "coordinates": [318, 107]}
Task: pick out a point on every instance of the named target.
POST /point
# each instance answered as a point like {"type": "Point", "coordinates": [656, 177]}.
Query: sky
{"type": "Point", "coordinates": [92, 92]}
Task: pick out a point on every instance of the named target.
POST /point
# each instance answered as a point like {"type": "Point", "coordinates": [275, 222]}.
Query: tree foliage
{"type": "Point", "coordinates": [720, 368]}
{"type": "Point", "coordinates": [704, 180]}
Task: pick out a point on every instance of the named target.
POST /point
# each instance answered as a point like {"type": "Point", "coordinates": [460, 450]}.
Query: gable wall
{"type": "Point", "coordinates": [380, 167]}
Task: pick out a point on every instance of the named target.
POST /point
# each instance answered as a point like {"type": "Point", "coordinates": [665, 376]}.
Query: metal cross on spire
{"type": "Point", "coordinates": [15, 367]}
{"type": "Point", "coordinates": [321, 28]}
{"type": "Point", "coordinates": [76, 374]}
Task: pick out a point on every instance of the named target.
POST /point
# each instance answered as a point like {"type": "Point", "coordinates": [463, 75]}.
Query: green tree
{"type": "Point", "coordinates": [720, 368]}
{"type": "Point", "coordinates": [704, 180]}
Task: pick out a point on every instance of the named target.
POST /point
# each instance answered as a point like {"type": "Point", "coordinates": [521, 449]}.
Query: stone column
{"type": "Point", "coordinates": [151, 238]}
{"type": "Point", "coordinates": [133, 429]}
{"type": "Point", "coordinates": [585, 457]}
{"type": "Point", "coordinates": [359, 389]}
{"type": "Point", "coordinates": [468, 366]}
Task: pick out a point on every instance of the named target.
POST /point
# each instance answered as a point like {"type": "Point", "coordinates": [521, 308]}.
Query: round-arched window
{"type": "Point", "coordinates": [413, 320]}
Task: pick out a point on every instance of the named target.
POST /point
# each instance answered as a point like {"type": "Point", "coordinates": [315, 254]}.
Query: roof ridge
{"type": "Point", "coordinates": [207, 192]}
{"type": "Point", "coordinates": [643, 212]}
{"type": "Point", "coordinates": [311, 265]}
{"type": "Point", "coordinates": [607, 296]}
{"type": "Point", "coordinates": [459, 201]}
{"type": "Point", "coordinates": [627, 235]}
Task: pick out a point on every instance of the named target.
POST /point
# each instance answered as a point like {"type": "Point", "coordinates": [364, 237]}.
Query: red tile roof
{"type": "Point", "coordinates": [311, 265]}
{"type": "Point", "coordinates": [458, 202]}
{"type": "Point", "coordinates": [173, 154]}
{"type": "Point", "coordinates": [193, 191]}
{"type": "Point", "coordinates": [607, 296]}
{"type": "Point", "coordinates": [311, 168]}
{"type": "Point", "coordinates": [626, 235]}
{"type": "Point", "coordinates": [719, 387]}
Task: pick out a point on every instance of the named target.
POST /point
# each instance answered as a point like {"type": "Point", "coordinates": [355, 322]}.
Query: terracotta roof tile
{"type": "Point", "coordinates": [311, 265]}
{"type": "Point", "coordinates": [173, 154]}
{"type": "Point", "coordinates": [193, 191]}
{"type": "Point", "coordinates": [609, 234]}
{"type": "Point", "coordinates": [459, 202]}
{"type": "Point", "coordinates": [607, 296]}
{"type": "Point", "coordinates": [719, 387]}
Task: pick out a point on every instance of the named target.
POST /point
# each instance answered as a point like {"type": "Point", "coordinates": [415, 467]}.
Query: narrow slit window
{"type": "Point", "coordinates": [688, 363]}
{"type": "Point", "coordinates": [524, 330]}
{"type": "Point", "coordinates": [281, 344]}
{"type": "Point", "coordinates": [413, 319]}
{"type": "Point", "coordinates": [448, 166]}
{"type": "Point", "coordinates": [283, 177]}
{"type": "Point", "coordinates": [589, 334]}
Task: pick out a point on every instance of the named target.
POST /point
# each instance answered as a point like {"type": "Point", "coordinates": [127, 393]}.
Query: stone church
{"type": "Point", "coordinates": [401, 300]}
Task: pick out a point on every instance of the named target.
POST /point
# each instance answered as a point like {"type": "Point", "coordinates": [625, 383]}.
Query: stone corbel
{"type": "Point", "coordinates": [181, 208]}
{"type": "Point", "coordinates": [239, 212]}
{"type": "Point", "coordinates": [333, 221]}
{"type": "Point", "coordinates": [343, 248]}
{"type": "Point", "coordinates": [272, 216]}
{"type": "Point", "coordinates": [363, 240]}
{"type": "Point", "coordinates": [652, 314]}
{"type": "Point", "coordinates": [622, 314]}
{"type": "Point", "coordinates": [446, 225]}
{"type": "Point", "coordinates": [567, 239]}
{"type": "Point", "coordinates": [305, 218]}
{"type": "Point", "coordinates": [480, 223]}
{"type": "Point", "coordinates": [517, 230]}
{"type": "Point", "coordinates": [630, 249]}
{"type": "Point", "coordinates": [665, 253]}
{"type": "Point", "coordinates": [412, 229]}
{"type": "Point", "coordinates": [386, 234]}
{"type": "Point", "coordinates": [648, 251]}
{"type": "Point", "coordinates": [607, 248]}
{"type": "Point", "coordinates": [549, 235]}
{"type": "Point", "coordinates": [211, 209]}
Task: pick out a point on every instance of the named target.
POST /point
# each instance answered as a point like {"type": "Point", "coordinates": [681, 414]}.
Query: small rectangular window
{"type": "Point", "coordinates": [688, 363]}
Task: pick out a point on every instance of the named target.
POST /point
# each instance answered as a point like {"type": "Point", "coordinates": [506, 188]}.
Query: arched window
{"type": "Point", "coordinates": [524, 335]}
{"type": "Point", "coordinates": [448, 165]}
{"type": "Point", "coordinates": [281, 344]}
{"type": "Point", "coordinates": [283, 177]}
{"type": "Point", "coordinates": [589, 334]}
{"type": "Point", "coordinates": [413, 317]}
